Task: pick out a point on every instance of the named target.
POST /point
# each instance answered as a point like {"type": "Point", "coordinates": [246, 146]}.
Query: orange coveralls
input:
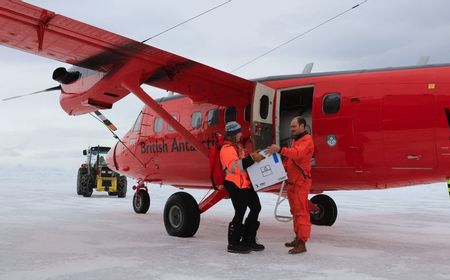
{"type": "Point", "coordinates": [298, 184]}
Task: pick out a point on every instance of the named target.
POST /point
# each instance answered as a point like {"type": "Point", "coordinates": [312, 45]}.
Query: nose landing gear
{"type": "Point", "coordinates": [141, 199]}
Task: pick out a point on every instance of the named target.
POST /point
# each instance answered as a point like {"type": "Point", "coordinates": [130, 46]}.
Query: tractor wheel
{"type": "Point", "coordinates": [122, 187]}
{"type": "Point", "coordinates": [181, 215]}
{"type": "Point", "coordinates": [112, 193]}
{"type": "Point", "coordinates": [85, 185]}
{"type": "Point", "coordinates": [327, 213]}
{"type": "Point", "coordinates": [81, 171]}
{"type": "Point", "coordinates": [141, 201]}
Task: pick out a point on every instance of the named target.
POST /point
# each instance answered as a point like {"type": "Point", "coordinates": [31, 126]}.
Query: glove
{"type": "Point", "coordinates": [257, 156]}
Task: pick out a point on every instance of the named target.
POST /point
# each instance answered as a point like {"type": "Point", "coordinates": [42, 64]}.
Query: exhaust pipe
{"type": "Point", "coordinates": [61, 75]}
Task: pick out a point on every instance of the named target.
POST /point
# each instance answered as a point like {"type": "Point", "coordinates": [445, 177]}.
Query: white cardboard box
{"type": "Point", "coordinates": [267, 172]}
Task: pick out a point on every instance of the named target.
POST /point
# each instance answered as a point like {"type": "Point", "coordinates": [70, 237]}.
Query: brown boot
{"type": "Point", "coordinates": [300, 247]}
{"type": "Point", "coordinates": [292, 243]}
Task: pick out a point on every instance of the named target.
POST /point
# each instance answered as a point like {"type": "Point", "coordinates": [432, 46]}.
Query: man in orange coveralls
{"type": "Point", "coordinates": [298, 167]}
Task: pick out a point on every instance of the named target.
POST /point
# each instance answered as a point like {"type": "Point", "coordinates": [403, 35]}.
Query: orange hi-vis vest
{"type": "Point", "coordinates": [232, 164]}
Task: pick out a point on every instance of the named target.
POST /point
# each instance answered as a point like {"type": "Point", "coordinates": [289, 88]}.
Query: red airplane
{"type": "Point", "coordinates": [372, 129]}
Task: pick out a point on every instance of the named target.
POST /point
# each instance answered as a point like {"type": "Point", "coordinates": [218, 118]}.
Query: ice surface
{"type": "Point", "coordinates": [48, 232]}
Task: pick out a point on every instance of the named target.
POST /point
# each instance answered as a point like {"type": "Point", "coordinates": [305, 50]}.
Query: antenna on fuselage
{"type": "Point", "coordinates": [183, 22]}
{"type": "Point", "coordinates": [423, 60]}
{"type": "Point", "coordinates": [308, 68]}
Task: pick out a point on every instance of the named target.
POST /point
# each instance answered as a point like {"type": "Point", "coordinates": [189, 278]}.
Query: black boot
{"type": "Point", "coordinates": [249, 236]}
{"type": "Point", "coordinates": [234, 238]}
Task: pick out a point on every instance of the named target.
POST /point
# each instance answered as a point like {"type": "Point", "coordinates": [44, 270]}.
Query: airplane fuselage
{"type": "Point", "coordinates": [372, 129]}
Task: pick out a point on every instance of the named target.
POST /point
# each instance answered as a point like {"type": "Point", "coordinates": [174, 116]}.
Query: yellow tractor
{"type": "Point", "coordinates": [95, 174]}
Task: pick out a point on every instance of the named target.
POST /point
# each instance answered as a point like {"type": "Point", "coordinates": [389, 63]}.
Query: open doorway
{"type": "Point", "coordinates": [293, 102]}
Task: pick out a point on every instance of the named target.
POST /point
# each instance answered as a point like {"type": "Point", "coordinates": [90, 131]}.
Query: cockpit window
{"type": "Point", "coordinates": [137, 123]}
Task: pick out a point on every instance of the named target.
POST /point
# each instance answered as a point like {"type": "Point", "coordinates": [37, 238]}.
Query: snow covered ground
{"type": "Point", "coordinates": [48, 232]}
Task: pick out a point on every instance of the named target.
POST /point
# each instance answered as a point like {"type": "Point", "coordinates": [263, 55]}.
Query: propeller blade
{"type": "Point", "coordinates": [36, 92]}
{"type": "Point", "coordinates": [105, 121]}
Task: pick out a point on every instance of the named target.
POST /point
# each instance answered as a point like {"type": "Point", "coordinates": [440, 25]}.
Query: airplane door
{"type": "Point", "coordinates": [367, 136]}
{"type": "Point", "coordinates": [262, 117]}
{"type": "Point", "coordinates": [408, 123]}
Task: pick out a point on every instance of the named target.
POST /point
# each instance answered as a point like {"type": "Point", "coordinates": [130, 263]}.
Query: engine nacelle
{"type": "Point", "coordinates": [84, 90]}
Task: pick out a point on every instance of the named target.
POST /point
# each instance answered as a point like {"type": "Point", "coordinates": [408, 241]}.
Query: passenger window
{"type": "Point", "coordinates": [230, 114]}
{"type": "Point", "coordinates": [213, 117]}
{"type": "Point", "coordinates": [247, 113]}
{"type": "Point", "coordinates": [264, 107]}
{"type": "Point", "coordinates": [196, 120]}
{"type": "Point", "coordinates": [158, 125]}
{"type": "Point", "coordinates": [331, 103]}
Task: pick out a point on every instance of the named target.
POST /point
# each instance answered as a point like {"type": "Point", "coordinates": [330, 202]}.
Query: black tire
{"type": "Point", "coordinates": [112, 193]}
{"type": "Point", "coordinates": [85, 185]}
{"type": "Point", "coordinates": [327, 214]}
{"type": "Point", "coordinates": [81, 171]}
{"type": "Point", "coordinates": [122, 187]}
{"type": "Point", "coordinates": [141, 201]}
{"type": "Point", "coordinates": [181, 215]}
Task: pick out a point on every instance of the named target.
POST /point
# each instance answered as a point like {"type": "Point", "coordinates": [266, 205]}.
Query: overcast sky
{"type": "Point", "coordinates": [381, 33]}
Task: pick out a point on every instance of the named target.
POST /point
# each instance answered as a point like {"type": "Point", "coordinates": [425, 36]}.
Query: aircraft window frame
{"type": "Point", "coordinates": [196, 120]}
{"type": "Point", "coordinates": [137, 124]}
{"type": "Point", "coordinates": [331, 105]}
{"type": "Point", "coordinates": [230, 114]}
{"type": "Point", "coordinates": [158, 124]}
{"type": "Point", "coordinates": [247, 113]}
{"type": "Point", "coordinates": [264, 103]}
{"type": "Point", "coordinates": [213, 117]}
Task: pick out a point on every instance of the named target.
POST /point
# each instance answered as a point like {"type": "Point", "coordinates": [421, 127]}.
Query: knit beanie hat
{"type": "Point", "coordinates": [232, 128]}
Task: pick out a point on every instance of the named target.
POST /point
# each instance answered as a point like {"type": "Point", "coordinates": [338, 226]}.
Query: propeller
{"type": "Point", "coordinates": [36, 92]}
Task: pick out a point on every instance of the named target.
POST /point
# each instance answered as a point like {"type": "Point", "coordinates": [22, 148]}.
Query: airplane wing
{"type": "Point", "coordinates": [45, 33]}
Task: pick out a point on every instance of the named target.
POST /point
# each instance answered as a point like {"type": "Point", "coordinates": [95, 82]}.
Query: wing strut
{"type": "Point", "coordinates": [135, 88]}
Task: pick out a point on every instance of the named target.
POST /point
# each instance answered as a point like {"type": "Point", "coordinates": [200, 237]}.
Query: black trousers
{"type": "Point", "coordinates": [241, 199]}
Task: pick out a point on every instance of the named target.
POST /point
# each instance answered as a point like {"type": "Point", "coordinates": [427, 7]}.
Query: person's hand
{"type": "Point", "coordinates": [272, 149]}
{"type": "Point", "coordinates": [257, 156]}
